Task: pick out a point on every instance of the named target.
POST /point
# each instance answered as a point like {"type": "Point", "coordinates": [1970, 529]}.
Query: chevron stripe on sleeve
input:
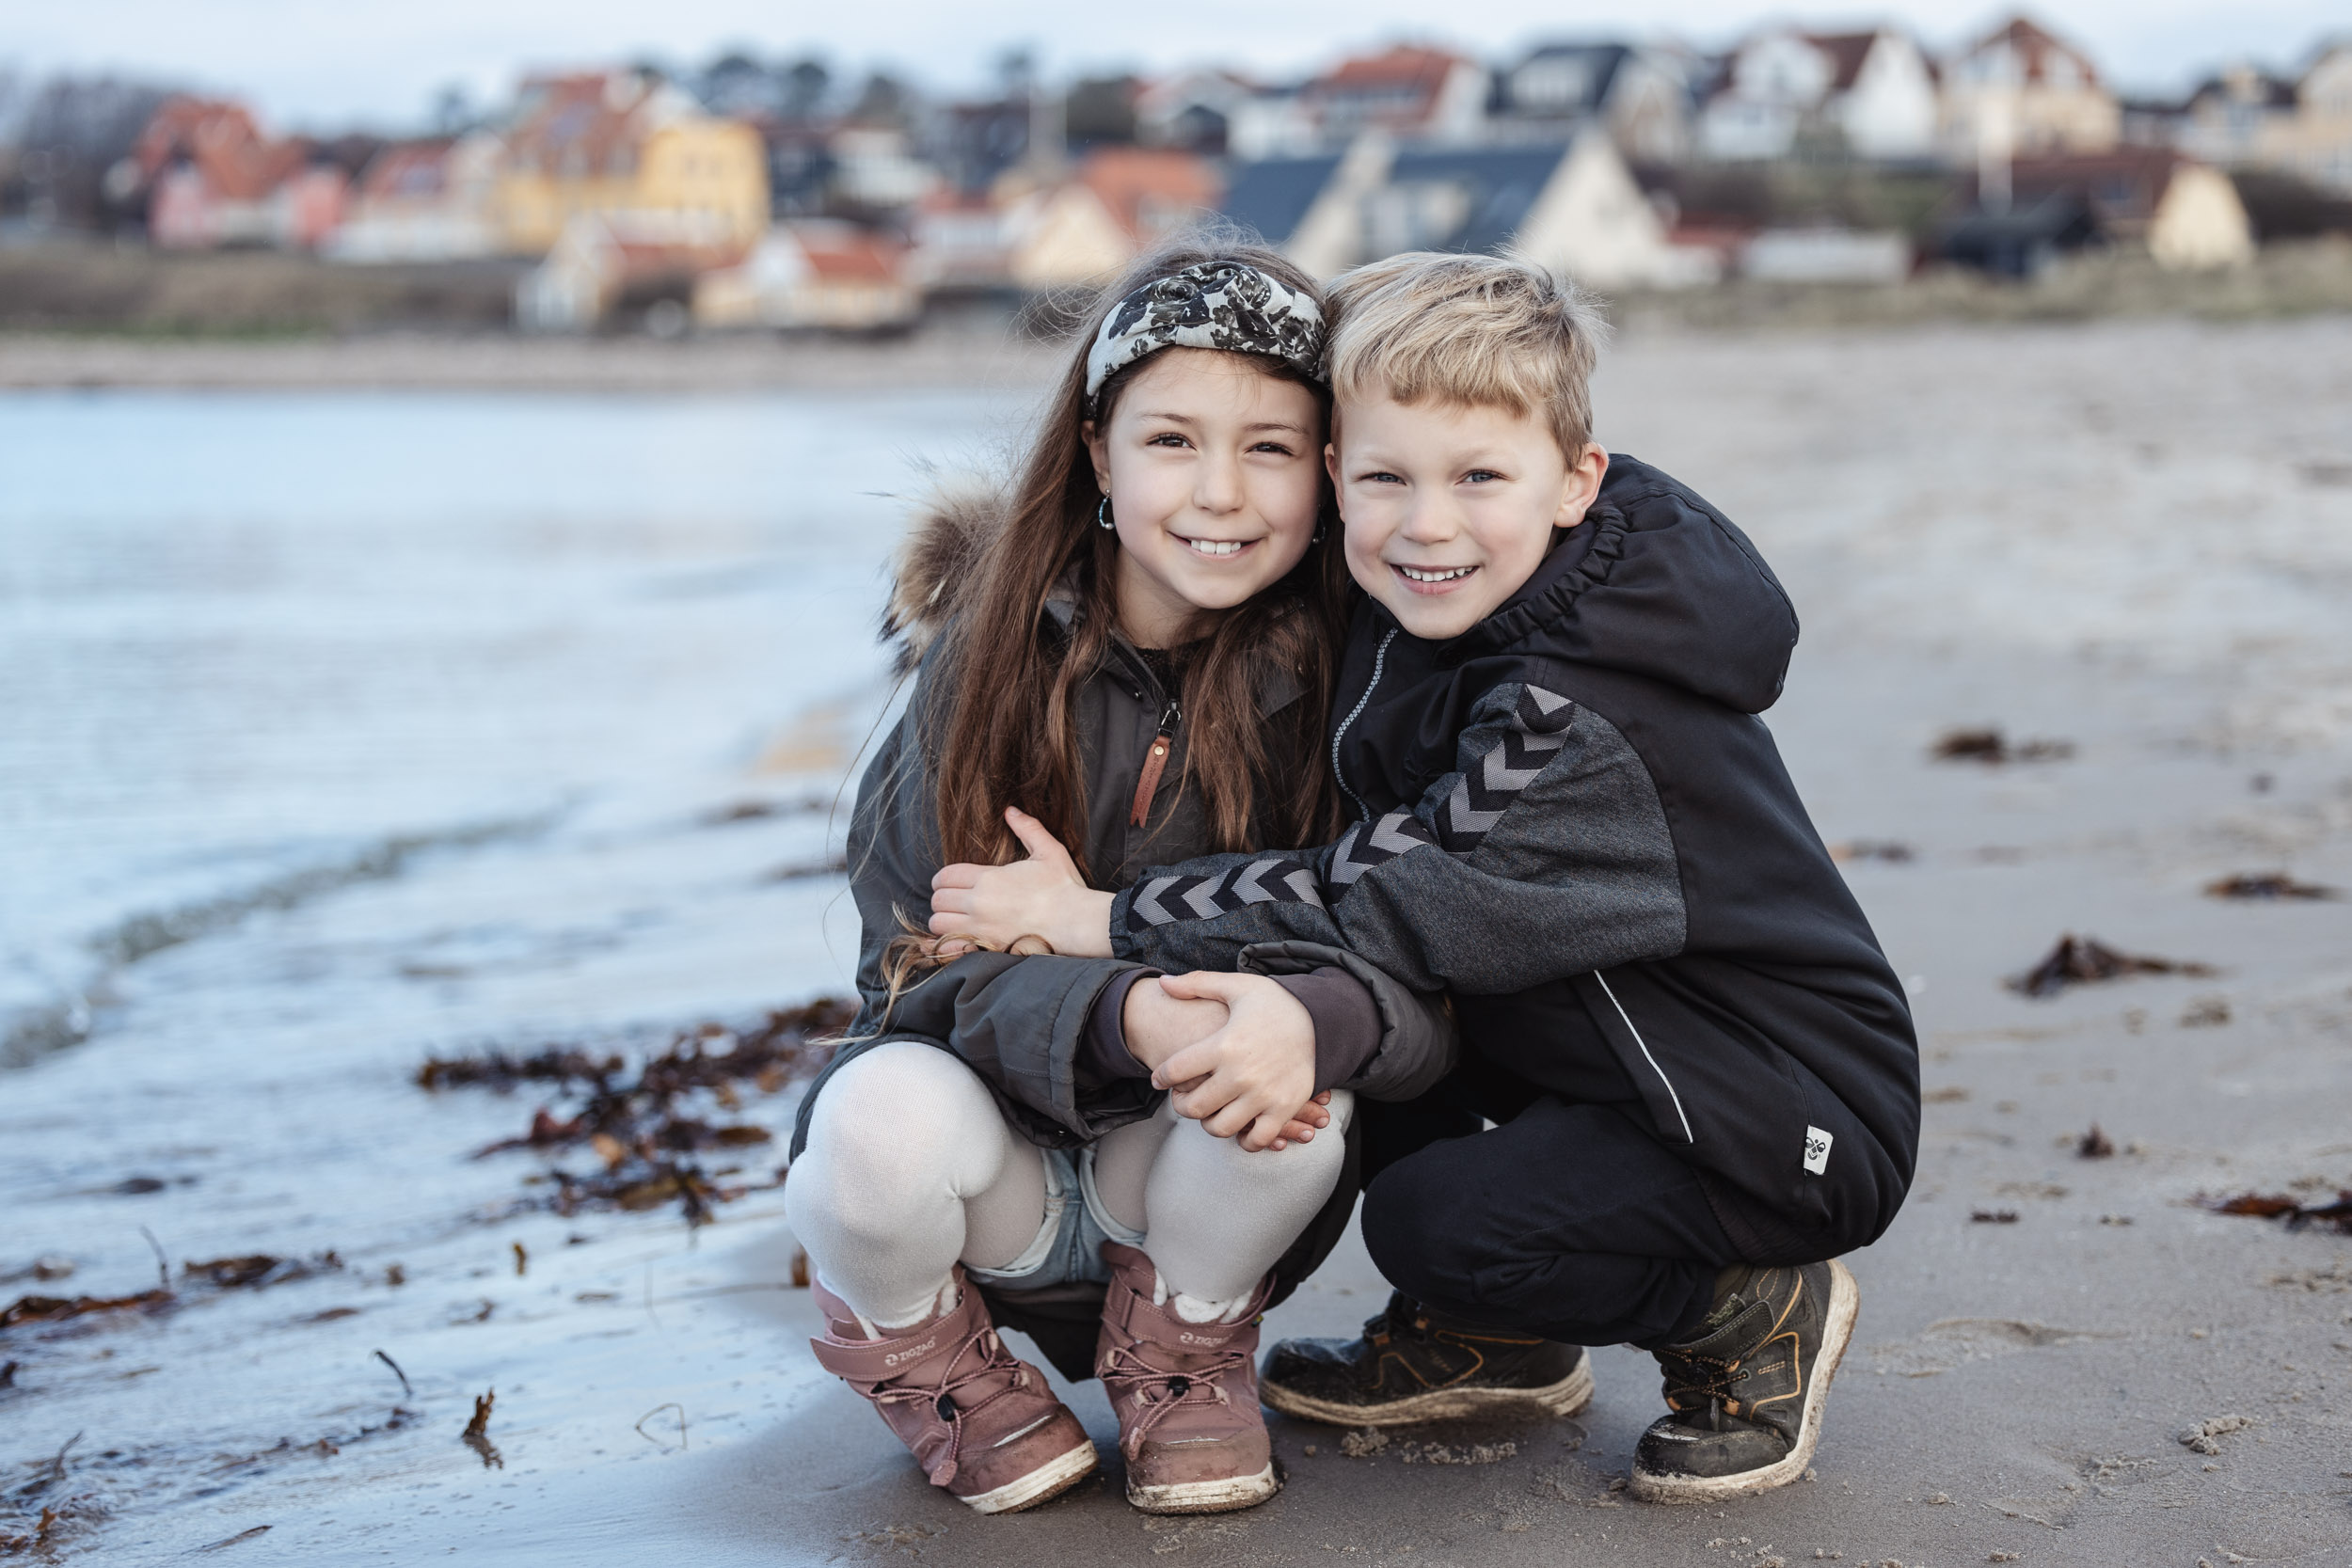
{"type": "Point", "coordinates": [1362, 848]}
{"type": "Point", "coordinates": [1277, 880]}
{"type": "Point", "coordinates": [1534, 735]}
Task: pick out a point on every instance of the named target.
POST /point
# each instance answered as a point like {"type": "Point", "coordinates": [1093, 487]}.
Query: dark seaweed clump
{"type": "Point", "coordinates": [2279, 1206]}
{"type": "Point", "coordinates": [2081, 961]}
{"type": "Point", "coordinates": [646, 1129]}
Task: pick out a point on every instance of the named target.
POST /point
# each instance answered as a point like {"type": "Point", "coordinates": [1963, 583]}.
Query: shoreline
{"type": "Point", "coordinates": [513, 363]}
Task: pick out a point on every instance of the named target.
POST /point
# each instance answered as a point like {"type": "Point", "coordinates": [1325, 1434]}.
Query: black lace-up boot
{"type": "Point", "coordinates": [1411, 1365]}
{"type": "Point", "coordinates": [1745, 1391]}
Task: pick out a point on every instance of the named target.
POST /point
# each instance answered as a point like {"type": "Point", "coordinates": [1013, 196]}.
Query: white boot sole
{"type": "Point", "coordinates": [1566, 1397]}
{"type": "Point", "coordinates": [1845, 1301]}
{"type": "Point", "coordinates": [1044, 1484]}
{"type": "Point", "coordinates": [1206, 1496]}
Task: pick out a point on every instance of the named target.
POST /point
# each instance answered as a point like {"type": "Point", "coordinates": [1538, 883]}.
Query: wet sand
{"type": "Point", "coordinates": [2135, 538]}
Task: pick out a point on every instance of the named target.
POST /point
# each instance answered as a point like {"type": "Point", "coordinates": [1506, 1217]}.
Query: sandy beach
{"type": "Point", "coordinates": [2130, 541]}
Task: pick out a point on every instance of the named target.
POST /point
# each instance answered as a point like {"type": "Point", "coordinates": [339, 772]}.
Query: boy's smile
{"type": "Point", "coordinates": [1449, 509]}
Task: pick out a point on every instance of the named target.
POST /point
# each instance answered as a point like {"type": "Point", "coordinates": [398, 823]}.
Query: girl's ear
{"type": "Point", "coordinates": [1098, 449]}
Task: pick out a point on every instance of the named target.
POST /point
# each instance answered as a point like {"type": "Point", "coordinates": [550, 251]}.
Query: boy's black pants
{"type": "Point", "coordinates": [1568, 1219]}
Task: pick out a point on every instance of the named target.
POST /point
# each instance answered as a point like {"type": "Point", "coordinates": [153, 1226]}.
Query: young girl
{"type": "Point", "coordinates": [1137, 644]}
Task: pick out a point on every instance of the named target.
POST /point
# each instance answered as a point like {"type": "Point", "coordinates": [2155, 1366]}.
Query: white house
{"type": "Point", "coordinates": [1574, 206]}
{"type": "Point", "coordinates": [1872, 93]}
{"type": "Point", "coordinates": [1640, 94]}
{"type": "Point", "coordinates": [1591, 221]}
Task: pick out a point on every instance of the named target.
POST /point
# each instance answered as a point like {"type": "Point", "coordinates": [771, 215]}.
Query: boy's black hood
{"type": "Point", "coordinates": [1655, 583]}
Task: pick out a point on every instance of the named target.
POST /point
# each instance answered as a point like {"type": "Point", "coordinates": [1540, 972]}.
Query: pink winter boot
{"type": "Point", "coordinates": [1185, 1395]}
{"type": "Point", "coordinates": [980, 1421]}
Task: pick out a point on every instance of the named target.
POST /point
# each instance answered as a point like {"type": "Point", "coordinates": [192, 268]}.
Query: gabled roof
{"type": "Point", "coordinates": [1501, 183]}
{"type": "Point", "coordinates": [1847, 52]}
{"type": "Point", "coordinates": [574, 123]}
{"type": "Point", "coordinates": [1402, 65]}
{"type": "Point", "coordinates": [2035, 47]}
{"type": "Point", "coordinates": [844, 253]}
{"type": "Point", "coordinates": [2246, 86]}
{"type": "Point", "coordinates": [1131, 181]}
{"type": "Point", "coordinates": [1272, 195]}
{"type": "Point", "coordinates": [1600, 61]}
{"type": "Point", "coordinates": [220, 140]}
{"type": "Point", "coordinates": [408, 169]}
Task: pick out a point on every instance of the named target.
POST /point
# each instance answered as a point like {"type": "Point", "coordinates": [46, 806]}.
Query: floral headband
{"type": "Point", "coordinates": [1220, 305]}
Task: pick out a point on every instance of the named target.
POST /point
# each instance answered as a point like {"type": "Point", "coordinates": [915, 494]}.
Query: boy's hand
{"type": "Point", "coordinates": [1040, 897]}
{"type": "Point", "coordinates": [1254, 1080]}
{"type": "Point", "coordinates": [1157, 1026]}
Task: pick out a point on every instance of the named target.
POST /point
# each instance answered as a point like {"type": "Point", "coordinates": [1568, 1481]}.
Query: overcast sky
{"type": "Point", "coordinates": [318, 66]}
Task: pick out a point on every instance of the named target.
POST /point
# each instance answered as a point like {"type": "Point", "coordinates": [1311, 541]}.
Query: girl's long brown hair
{"type": "Point", "coordinates": [1008, 736]}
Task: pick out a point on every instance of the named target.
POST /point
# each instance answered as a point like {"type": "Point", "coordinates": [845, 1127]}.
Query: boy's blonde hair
{"type": "Point", "coordinates": [1487, 331]}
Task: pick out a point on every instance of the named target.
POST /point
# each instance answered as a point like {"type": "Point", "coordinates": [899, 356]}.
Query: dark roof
{"type": "Point", "coordinates": [1501, 183]}
{"type": "Point", "coordinates": [1600, 61]}
{"type": "Point", "coordinates": [1272, 195]}
{"type": "Point", "coordinates": [1847, 52]}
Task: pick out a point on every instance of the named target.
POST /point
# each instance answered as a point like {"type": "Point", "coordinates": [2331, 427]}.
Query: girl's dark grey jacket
{"type": "Point", "coordinates": [1020, 1021]}
{"type": "Point", "coordinates": [1571, 817]}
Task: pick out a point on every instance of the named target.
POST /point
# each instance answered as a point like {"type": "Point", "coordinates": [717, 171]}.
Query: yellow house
{"type": "Point", "coordinates": [604, 146]}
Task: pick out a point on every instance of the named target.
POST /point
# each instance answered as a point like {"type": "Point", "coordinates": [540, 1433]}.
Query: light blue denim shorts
{"type": "Point", "coordinates": [1069, 1245]}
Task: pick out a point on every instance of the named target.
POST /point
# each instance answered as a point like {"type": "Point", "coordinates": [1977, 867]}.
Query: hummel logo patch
{"type": "Point", "coordinates": [1816, 1150]}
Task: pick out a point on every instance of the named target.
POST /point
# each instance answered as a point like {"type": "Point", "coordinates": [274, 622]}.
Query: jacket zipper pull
{"type": "Point", "coordinates": [1154, 763]}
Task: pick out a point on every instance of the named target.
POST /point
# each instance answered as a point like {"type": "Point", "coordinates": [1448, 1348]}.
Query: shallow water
{"type": "Point", "coordinates": [249, 641]}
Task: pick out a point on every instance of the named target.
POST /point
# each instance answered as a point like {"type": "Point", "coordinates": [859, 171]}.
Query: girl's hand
{"type": "Point", "coordinates": [1253, 1078]}
{"type": "Point", "coordinates": [1042, 896]}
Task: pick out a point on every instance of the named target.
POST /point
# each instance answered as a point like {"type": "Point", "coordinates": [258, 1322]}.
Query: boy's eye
{"type": "Point", "coordinates": [1380, 476]}
{"type": "Point", "coordinates": [1480, 476]}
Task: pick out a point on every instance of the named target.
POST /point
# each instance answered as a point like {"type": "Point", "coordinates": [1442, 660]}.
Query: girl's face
{"type": "Point", "coordinates": [1213, 470]}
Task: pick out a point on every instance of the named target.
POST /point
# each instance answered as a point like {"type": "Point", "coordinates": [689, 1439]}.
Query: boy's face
{"type": "Point", "coordinates": [1450, 509]}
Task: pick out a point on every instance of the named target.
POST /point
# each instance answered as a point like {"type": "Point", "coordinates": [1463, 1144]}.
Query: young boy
{"type": "Point", "coordinates": [1700, 1070]}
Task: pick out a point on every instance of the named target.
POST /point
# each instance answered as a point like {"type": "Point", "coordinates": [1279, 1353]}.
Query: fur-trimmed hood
{"type": "Point", "coordinates": [953, 526]}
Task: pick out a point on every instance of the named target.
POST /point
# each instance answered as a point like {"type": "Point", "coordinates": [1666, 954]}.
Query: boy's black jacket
{"type": "Point", "coordinates": [1571, 817]}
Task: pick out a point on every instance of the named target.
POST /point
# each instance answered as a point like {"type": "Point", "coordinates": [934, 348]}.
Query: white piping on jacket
{"type": "Point", "coordinates": [1378, 658]}
{"type": "Point", "coordinates": [1688, 1136]}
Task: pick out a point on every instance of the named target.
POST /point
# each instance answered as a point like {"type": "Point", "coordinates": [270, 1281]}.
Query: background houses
{"type": "Point", "coordinates": [771, 194]}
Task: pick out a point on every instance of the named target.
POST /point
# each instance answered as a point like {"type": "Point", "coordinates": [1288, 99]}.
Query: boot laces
{"type": "Point", "coordinates": [1702, 1379]}
{"type": "Point", "coordinates": [1158, 1390]}
{"type": "Point", "coordinates": [941, 1396]}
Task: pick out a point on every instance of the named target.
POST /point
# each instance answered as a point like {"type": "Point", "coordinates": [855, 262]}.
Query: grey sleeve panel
{"type": "Point", "coordinates": [1417, 1045]}
{"type": "Point", "coordinates": [1546, 853]}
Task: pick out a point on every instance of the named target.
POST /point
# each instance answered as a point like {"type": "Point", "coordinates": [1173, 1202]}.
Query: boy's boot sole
{"type": "Point", "coordinates": [1041, 1485]}
{"type": "Point", "coordinates": [1845, 1301]}
{"type": "Point", "coordinates": [1206, 1496]}
{"type": "Point", "coordinates": [1566, 1397]}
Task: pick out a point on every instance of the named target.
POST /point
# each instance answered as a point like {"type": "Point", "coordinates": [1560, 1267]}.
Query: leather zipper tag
{"type": "Point", "coordinates": [1149, 783]}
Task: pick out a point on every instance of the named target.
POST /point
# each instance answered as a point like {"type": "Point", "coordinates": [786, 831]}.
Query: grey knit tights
{"type": "Point", "coordinates": [909, 1167]}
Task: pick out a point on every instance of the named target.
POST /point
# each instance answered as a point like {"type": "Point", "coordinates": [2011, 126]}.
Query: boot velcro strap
{"type": "Point", "coordinates": [1748, 1328]}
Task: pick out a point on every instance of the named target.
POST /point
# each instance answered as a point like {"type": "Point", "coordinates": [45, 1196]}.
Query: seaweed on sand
{"type": "Point", "coordinates": [2267, 885]}
{"type": "Point", "coordinates": [1991, 747]}
{"type": "Point", "coordinates": [2278, 1206]}
{"type": "Point", "coordinates": [258, 1271]}
{"type": "Point", "coordinates": [2079, 961]}
{"type": "Point", "coordinates": [645, 1129]}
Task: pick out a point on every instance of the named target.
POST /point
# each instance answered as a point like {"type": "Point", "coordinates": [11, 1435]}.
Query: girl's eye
{"type": "Point", "coordinates": [1168, 438]}
{"type": "Point", "coordinates": [1275, 446]}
